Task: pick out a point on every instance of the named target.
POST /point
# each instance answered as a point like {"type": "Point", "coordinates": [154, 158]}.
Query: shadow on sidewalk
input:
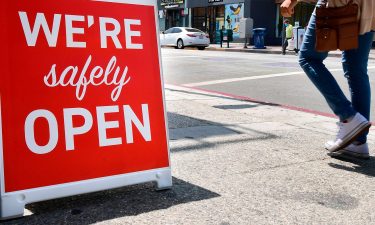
{"type": "Point", "coordinates": [207, 145]}
{"type": "Point", "coordinates": [260, 103]}
{"type": "Point", "coordinates": [365, 167]}
{"type": "Point", "coordinates": [112, 204]}
{"type": "Point", "coordinates": [200, 131]}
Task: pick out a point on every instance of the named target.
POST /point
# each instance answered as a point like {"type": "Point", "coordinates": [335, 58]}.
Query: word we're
{"type": "Point", "coordinates": [76, 25]}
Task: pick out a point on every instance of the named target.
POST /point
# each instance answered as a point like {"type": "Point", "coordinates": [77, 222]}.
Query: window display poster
{"type": "Point", "coordinates": [233, 14]}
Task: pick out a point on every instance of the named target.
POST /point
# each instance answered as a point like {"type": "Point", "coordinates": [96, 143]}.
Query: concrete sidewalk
{"type": "Point", "coordinates": [235, 162]}
{"type": "Point", "coordinates": [239, 47]}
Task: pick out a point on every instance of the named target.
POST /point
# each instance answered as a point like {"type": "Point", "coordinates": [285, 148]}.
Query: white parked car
{"type": "Point", "coordinates": [181, 37]}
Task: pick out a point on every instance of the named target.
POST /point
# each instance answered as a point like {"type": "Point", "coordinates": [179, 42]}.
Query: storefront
{"type": "Point", "coordinates": [211, 15]}
{"type": "Point", "coordinates": [172, 13]}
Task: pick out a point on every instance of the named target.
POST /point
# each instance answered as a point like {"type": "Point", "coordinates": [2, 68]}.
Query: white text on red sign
{"type": "Point", "coordinates": [52, 32]}
{"type": "Point", "coordinates": [83, 76]}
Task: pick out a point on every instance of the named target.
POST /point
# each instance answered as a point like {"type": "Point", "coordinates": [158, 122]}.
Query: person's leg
{"type": "Point", "coordinates": [285, 44]}
{"type": "Point", "coordinates": [311, 62]}
{"type": "Point", "coordinates": [355, 64]}
{"type": "Point", "coordinates": [352, 123]}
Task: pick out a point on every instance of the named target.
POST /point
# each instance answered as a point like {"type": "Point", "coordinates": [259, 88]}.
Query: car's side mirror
{"type": "Point", "coordinates": [163, 32]}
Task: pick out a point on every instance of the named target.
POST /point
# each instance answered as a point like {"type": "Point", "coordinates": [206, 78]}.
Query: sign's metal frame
{"type": "Point", "coordinates": [12, 204]}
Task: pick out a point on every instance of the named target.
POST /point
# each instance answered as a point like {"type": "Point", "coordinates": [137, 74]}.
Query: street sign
{"type": "Point", "coordinates": [81, 99]}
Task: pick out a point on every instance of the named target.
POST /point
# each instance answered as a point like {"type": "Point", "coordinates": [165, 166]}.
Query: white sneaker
{"type": "Point", "coordinates": [348, 132]}
{"type": "Point", "coordinates": [358, 151]}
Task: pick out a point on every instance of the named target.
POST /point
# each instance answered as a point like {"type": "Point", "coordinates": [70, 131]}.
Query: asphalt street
{"type": "Point", "coordinates": [265, 77]}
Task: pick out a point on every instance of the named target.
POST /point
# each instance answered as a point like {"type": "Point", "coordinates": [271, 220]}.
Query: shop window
{"type": "Point", "coordinates": [209, 20]}
{"type": "Point", "coordinates": [199, 18]}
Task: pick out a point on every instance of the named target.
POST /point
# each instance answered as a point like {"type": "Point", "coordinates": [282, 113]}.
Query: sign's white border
{"type": "Point", "coordinates": [2, 183]}
{"type": "Point", "coordinates": [12, 204]}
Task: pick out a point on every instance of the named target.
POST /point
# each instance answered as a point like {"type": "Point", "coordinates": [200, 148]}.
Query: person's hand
{"type": "Point", "coordinates": [287, 8]}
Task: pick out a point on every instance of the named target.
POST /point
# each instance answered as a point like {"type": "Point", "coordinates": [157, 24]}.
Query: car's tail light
{"type": "Point", "coordinates": [191, 35]}
{"type": "Point", "coordinates": [207, 36]}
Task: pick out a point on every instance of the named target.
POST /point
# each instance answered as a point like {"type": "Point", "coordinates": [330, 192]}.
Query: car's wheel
{"type": "Point", "coordinates": [180, 44]}
{"type": "Point", "coordinates": [201, 48]}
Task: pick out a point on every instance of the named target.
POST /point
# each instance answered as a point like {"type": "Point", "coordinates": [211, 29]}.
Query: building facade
{"type": "Point", "coordinates": [212, 15]}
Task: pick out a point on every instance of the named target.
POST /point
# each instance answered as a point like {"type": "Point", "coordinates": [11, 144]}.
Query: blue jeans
{"type": "Point", "coordinates": [354, 63]}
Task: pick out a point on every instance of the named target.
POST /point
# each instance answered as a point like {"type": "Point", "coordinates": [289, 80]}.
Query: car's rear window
{"type": "Point", "coordinates": [193, 30]}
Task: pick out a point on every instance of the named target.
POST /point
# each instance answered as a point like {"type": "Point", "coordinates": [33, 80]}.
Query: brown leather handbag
{"type": "Point", "coordinates": [337, 28]}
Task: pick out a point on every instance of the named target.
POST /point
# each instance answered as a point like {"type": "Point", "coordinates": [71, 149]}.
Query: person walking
{"type": "Point", "coordinates": [353, 114]}
{"type": "Point", "coordinates": [288, 35]}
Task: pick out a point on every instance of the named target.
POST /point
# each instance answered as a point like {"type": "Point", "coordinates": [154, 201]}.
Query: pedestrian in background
{"type": "Point", "coordinates": [354, 114]}
{"type": "Point", "coordinates": [288, 34]}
